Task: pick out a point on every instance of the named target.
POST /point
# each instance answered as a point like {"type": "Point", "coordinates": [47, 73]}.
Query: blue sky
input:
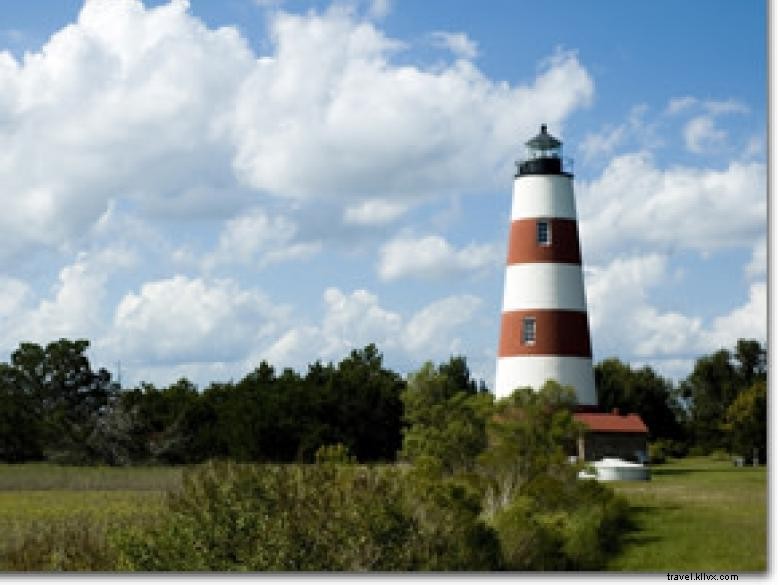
{"type": "Point", "coordinates": [197, 187]}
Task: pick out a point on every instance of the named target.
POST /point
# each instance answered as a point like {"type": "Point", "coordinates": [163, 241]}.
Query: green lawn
{"type": "Point", "coordinates": [696, 514]}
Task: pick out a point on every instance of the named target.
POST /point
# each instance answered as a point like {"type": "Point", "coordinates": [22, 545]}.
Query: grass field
{"type": "Point", "coordinates": [697, 514]}
{"type": "Point", "coordinates": [37, 500]}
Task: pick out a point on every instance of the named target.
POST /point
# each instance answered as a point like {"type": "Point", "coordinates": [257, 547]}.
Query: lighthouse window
{"type": "Point", "coordinates": [543, 233]}
{"type": "Point", "coordinates": [529, 330]}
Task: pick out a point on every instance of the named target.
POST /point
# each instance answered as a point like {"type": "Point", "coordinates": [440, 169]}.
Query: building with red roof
{"type": "Point", "coordinates": [611, 435]}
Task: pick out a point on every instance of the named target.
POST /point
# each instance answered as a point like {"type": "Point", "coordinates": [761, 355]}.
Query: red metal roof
{"type": "Point", "coordinates": [612, 423]}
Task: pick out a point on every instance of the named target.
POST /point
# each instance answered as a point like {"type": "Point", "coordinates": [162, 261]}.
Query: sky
{"type": "Point", "coordinates": [197, 187]}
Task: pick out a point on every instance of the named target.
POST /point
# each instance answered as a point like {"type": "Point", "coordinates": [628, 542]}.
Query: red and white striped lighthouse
{"type": "Point", "coordinates": [544, 321]}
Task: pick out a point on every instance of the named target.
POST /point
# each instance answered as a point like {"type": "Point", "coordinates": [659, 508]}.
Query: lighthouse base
{"type": "Point", "coordinates": [515, 372]}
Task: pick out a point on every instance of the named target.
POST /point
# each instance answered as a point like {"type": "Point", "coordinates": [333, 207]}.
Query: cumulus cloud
{"type": "Point", "coordinates": [625, 320]}
{"type": "Point", "coordinates": [430, 330]}
{"type": "Point", "coordinates": [634, 205]}
{"type": "Point", "coordinates": [353, 320]}
{"type": "Point", "coordinates": [150, 105]}
{"type": "Point", "coordinates": [126, 101]}
{"type": "Point", "coordinates": [350, 321]}
{"type": "Point", "coordinates": [432, 257]}
{"type": "Point", "coordinates": [182, 319]}
{"type": "Point", "coordinates": [360, 126]}
{"type": "Point", "coordinates": [748, 320]}
{"type": "Point", "coordinates": [256, 239]}
{"type": "Point", "coordinates": [76, 307]}
{"type": "Point", "coordinates": [758, 260]}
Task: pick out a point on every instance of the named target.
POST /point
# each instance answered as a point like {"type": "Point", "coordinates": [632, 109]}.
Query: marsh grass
{"type": "Point", "coordinates": [696, 514]}
{"type": "Point", "coordinates": [58, 518]}
{"type": "Point", "coordinates": [46, 476]}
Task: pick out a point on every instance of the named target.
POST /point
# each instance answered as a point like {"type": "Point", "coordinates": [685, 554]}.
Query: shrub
{"type": "Point", "coordinates": [234, 517]}
{"type": "Point", "coordinates": [720, 455]}
{"type": "Point", "coordinates": [560, 524]}
{"type": "Point", "coordinates": [338, 453]}
{"type": "Point", "coordinates": [450, 535]}
{"type": "Point", "coordinates": [231, 517]}
{"type": "Point", "coordinates": [657, 451]}
{"type": "Point", "coordinates": [527, 542]}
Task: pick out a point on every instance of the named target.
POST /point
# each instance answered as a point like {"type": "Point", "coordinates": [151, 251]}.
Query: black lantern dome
{"type": "Point", "coordinates": [544, 156]}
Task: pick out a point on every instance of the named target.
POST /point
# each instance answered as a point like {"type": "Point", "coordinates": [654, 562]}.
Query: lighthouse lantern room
{"type": "Point", "coordinates": [544, 322]}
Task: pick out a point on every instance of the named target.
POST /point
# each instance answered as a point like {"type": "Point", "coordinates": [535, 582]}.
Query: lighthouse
{"type": "Point", "coordinates": [544, 321]}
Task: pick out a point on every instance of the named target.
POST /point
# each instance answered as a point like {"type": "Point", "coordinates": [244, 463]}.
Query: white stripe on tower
{"type": "Point", "coordinates": [544, 322]}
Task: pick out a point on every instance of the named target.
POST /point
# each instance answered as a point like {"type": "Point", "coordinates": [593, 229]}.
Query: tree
{"type": "Point", "coordinates": [364, 400]}
{"type": "Point", "coordinates": [751, 358]}
{"type": "Point", "coordinates": [745, 421]}
{"type": "Point", "coordinates": [529, 435]}
{"type": "Point", "coordinates": [445, 421]}
{"type": "Point", "coordinates": [715, 383]}
{"type": "Point", "coordinates": [68, 395]}
{"type": "Point", "coordinates": [641, 391]}
{"type": "Point", "coordinates": [21, 437]}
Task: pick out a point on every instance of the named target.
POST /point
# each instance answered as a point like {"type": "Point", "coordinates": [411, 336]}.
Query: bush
{"type": "Point", "coordinates": [560, 524]}
{"type": "Point", "coordinates": [528, 542]}
{"type": "Point", "coordinates": [231, 517]}
{"type": "Point", "coordinates": [720, 455]}
{"type": "Point", "coordinates": [658, 451]}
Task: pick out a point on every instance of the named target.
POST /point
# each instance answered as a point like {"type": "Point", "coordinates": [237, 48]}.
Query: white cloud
{"type": "Point", "coordinates": [459, 43]}
{"type": "Point", "coordinates": [378, 9]}
{"type": "Point", "coordinates": [601, 145]}
{"type": "Point", "coordinates": [350, 321]}
{"type": "Point", "coordinates": [635, 205]}
{"type": "Point", "coordinates": [730, 106]}
{"type": "Point", "coordinates": [360, 126]}
{"type": "Point", "coordinates": [625, 321]}
{"type": "Point", "coordinates": [756, 146]}
{"type": "Point", "coordinates": [125, 102]}
{"type": "Point", "coordinates": [181, 320]}
{"type": "Point", "coordinates": [356, 319]}
{"type": "Point", "coordinates": [374, 212]}
{"type": "Point", "coordinates": [14, 294]}
{"type": "Point", "coordinates": [615, 291]}
{"type": "Point", "coordinates": [256, 239]}
{"type": "Point", "coordinates": [702, 135]}
{"type": "Point", "coordinates": [430, 330]}
{"type": "Point", "coordinates": [150, 105]}
{"type": "Point", "coordinates": [432, 257]}
{"type": "Point", "coordinates": [76, 308]}
{"type": "Point", "coordinates": [747, 321]}
{"type": "Point", "coordinates": [758, 260]}
{"type": "Point", "coordinates": [680, 104]}
{"type": "Point", "coordinates": [714, 107]}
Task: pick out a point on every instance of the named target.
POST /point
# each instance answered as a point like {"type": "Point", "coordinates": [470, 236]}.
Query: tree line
{"type": "Point", "coordinates": [55, 407]}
